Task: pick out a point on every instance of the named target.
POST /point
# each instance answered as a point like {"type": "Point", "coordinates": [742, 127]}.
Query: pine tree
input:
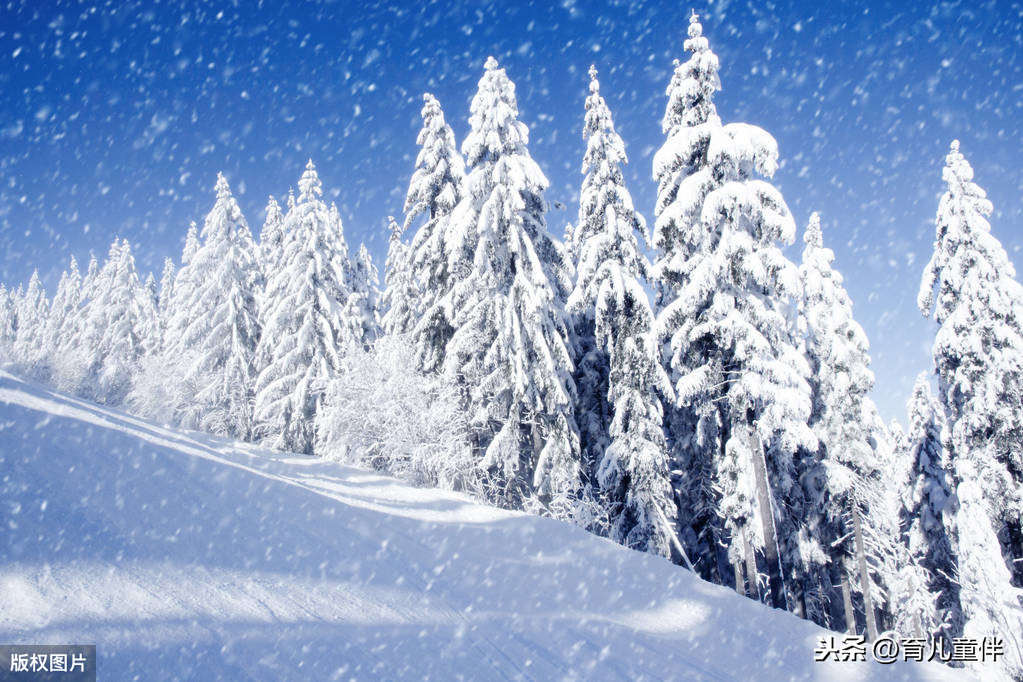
{"type": "Point", "coordinates": [509, 348]}
{"type": "Point", "coordinates": [170, 273]}
{"type": "Point", "coordinates": [64, 312]}
{"type": "Point", "coordinates": [978, 357]}
{"type": "Point", "coordinates": [618, 371]}
{"type": "Point", "coordinates": [89, 281]}
{"type": "Point", "coordinates": [271, 237]}
{"type": "Point", "coordinates": [401, 296]}
{"type": "Point", "coordinates": [842, 413]}
{"type": "Point", "coordinates": [32, 310]}
{"type": "Point", "coordinates": [220, 331]}
{"type": "Point", "coordinates": [434, 191]}
{"type": "Point", "coordinates": [176, 308]}
{"type": "Point", "coordinates": [725, 291]}
{"type": "Point", "coordinates": [191, 243]}
{"type": "Point", "coordinates": [690, 112]}
{"type": "Point", "coordinates": [113, 336]}
{"type": "Point", "coordinates": [927, 517]}
{"type": "Point", "coordinates": [304, 331]}
{"type": "Point", "coordinates": [7, 325]}
{"type": "Point", "coordinates": [363, 308]}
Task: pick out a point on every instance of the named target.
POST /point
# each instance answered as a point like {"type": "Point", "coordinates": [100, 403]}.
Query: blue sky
{"type": "Point", "coordinates": [116, 117]}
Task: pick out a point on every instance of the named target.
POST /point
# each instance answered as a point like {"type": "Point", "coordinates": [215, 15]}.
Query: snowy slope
{"type": "Point", "coordinates": [182, 556]}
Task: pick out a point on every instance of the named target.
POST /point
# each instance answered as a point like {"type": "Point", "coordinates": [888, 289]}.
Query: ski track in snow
{"type": "Point", "coordinates": [185, 556]}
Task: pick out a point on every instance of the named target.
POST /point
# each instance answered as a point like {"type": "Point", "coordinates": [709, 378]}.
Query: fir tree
{"type": "Point", "coordinates": [271, 237]}
{"type": "Point", "coordinates": [115, 321]}
{"type": "Point", "coordinates": [32, 310]}
{"type": "Point", "coordinates": [220, 330]}
{"type": "Point", "coordinates": [64, 312]}
{"type": "Point", "coordinates": [725, 290]}
{"type": "Point", "coordinates": [978, 357]}
{"type": "Point", "coordinates": [509, 348]}
{"type": "Point", "coordinates": [363, 309]}
{"type": "Point", "coordinates": [927, 518]}
{"type": "Point", "coordinates": [842, 413]}
{"type": "Point", "coordinates": [304, 331]}
{"type": "Point", "coordinates": [618, 372]}
{"type": "Point", "coordinates": [7, 325]}
{"type": "Point", "coordinates": [401, 295]}
{"type": "Point", "coordinates": [434, 191]}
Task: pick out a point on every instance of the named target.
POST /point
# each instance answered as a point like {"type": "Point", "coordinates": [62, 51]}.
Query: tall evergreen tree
{"type": "Point", "coordinates": [32, 309]}
{"type": "Point", "coordinates": [7, 325]}
{"type": "Point", "coordinates": [509, 348]}
{"type": "Point", "coordinates": [434, 191]}
{"type": "Point", "coordinates": [64, 312]}
{"type": "Point", "coordinates": [618, 373]}
{"type": "Point", "coordinates": [978, 357]}
{"type": "Point", "coordinates": [928, 601]}
{"type": "Point", "coordinates": [170, 273]}
{"type": "Point", "coordinates": [304, 332]}
{"type": "Point", "coordinates": [221, 330]}
{"type": "Point", "coordinates": [115, 322]}
{"type": "Point", "coordinates": [725, 291]}
{"type": "Point", "coordinates": [401, 296]}
{"type": "Point", "coordinates": [690, 111]}
{"type": "Point", "coordinates": [842, 414]}
{"type": "Point", "coordinates": [271, 237]}
{"type": "Point", "coordinates": [176, 307]}
{"type": "Point", "coordinates": [363, 307]}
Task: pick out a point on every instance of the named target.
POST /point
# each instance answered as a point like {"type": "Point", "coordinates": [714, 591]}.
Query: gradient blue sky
{"type": "Point", "coordinates": [116, 117]}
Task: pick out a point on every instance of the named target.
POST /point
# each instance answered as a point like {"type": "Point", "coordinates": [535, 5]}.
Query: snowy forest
{"type": "Point", "coordinates": [672, 382]}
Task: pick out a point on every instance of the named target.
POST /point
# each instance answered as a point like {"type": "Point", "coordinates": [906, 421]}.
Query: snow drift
{"type": "Point", "coordinates": [185, 556]}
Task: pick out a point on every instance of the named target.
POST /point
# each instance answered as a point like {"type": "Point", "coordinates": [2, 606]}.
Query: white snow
{"type": "Point", "coordinates": [184, 556]}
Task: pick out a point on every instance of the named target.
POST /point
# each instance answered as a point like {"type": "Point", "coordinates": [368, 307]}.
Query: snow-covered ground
{"type": "Point", "coordinates": [184, 556]}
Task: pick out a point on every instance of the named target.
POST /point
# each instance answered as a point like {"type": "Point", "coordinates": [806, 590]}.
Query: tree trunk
{"type": "Point", "coordinates": [861, 553]}
{"type": "Point", "coordinates": [740, 584]}
{"type": "Point", "coordinates": [752, 575]}
{"type": "Point", "coordinates": [850, 617]}
{"type": "Point", "coordinates": [712, 555]}
{"type": "Point", "coordinates": [771, 555]}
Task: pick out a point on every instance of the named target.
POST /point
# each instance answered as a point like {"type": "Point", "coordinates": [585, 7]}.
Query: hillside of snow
{"type": "Point", "coordinates": [184, 556]}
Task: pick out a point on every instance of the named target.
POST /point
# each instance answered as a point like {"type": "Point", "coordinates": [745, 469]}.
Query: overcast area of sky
{"type": "Point", "coordinates": [116, 117]}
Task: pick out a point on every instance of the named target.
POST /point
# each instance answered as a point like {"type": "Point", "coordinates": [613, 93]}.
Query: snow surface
{"type": "Point", "coordinates": [184, 556]}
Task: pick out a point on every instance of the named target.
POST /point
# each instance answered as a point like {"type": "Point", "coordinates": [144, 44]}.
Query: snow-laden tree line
{"type": "Point", "coordinates": [709, 404]}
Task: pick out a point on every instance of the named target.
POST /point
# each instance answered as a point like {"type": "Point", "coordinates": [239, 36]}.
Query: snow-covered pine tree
{"type": "Point", "coordinates": [191, 243]}
{"type": "Point", "coordinates": [304, 332]}
{"type": "Point", "coordinates": [690, 110]}
{"type": "Point", "coordinates": [509, 348]}
{"type": "Point", "coordinates": [64, 312]}
{"type": "Point", "coordinates": [927, 516]}
{"type": "Point", "coordinates": [618, 371]}
{"type": "Point", "coordinates": [401, 296]}
{"type": "Point", "coordinates": [89, 281]}
{"type": "Point", "coordinates": [32, 310]}
{"type": "Point", "coordinates": [725, 291]}
{"type": "Point", "coordinates": [175, 308]}
{"type": "Point", "coordinates": [978, 358]}
{"type": "Point", "coordinates": [165, 298]}
{"type": "Point", "coordinates": [113, 336]}
{"type": "Point", "coordinates": [838, 352]}
{"type": "Point", "coordinates": [363, 308]}
{"type": "Point", "coordinates": [170, 273]}
{"type": "Point", "coordinates": [604, 229]}
{"type": "Point", "coordinates": [271, 237]}
{"type": "Point", "coordinates": [434, 191]}
{"type": "Point", "coordinates": [220, 329]}
{"type": "Point", "coordinates": [7, 325]}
